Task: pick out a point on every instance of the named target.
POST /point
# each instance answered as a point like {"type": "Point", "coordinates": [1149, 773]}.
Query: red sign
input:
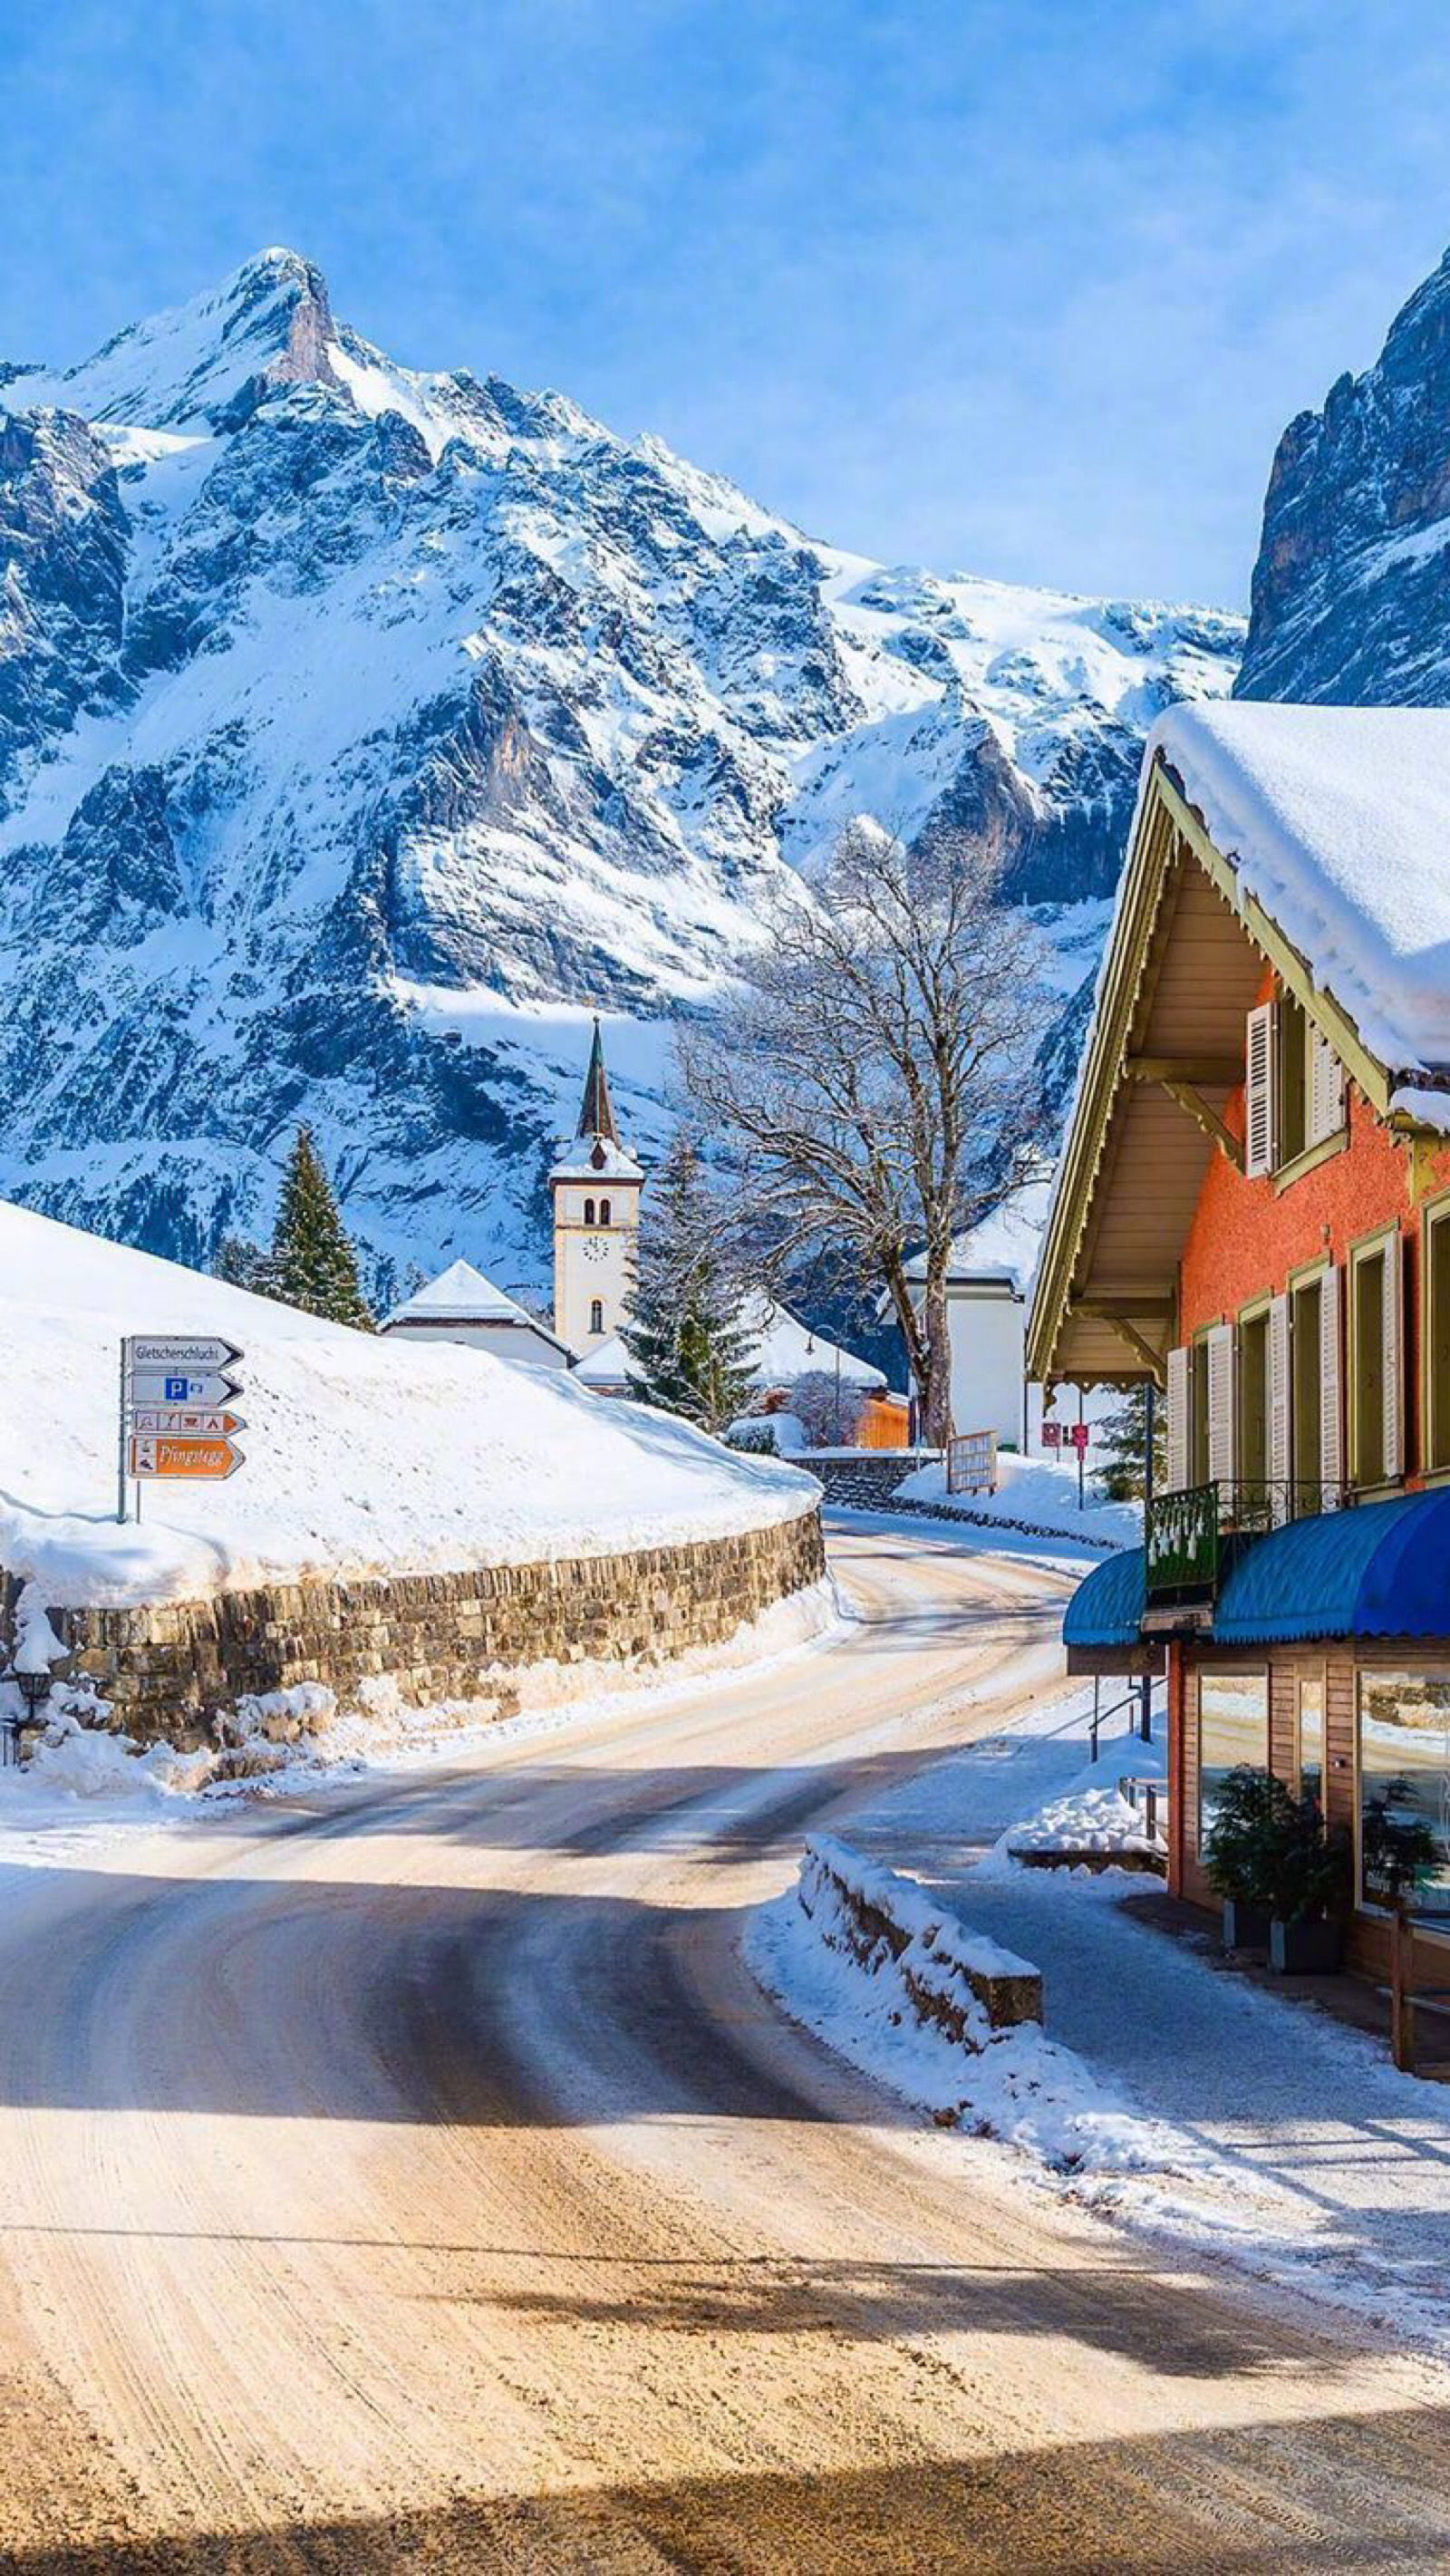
{"type": "Point", "coordinates": [1078, 1434]}
{"type": "Point", "coordinates": [1052, 1435]}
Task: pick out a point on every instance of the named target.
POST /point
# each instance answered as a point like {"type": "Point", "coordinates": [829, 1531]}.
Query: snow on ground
{"type": "Point", "coordinates": [1174, 2097]}
{"type": "Point", "coordinates": [1035, 1494]}
{"type": "Point", "coordinates": [364, 1454]}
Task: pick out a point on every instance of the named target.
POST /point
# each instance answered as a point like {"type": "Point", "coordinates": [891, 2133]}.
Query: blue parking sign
{"type": "Point", "coordinates": [176, 1389]}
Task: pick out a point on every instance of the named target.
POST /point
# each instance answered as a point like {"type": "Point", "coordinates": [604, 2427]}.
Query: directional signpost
{"type": "Point", "coordinates": [176, 1391]}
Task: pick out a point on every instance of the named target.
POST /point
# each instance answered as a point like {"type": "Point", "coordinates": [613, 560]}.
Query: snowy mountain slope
{"type": "Point", "coordinates": [1351, 590]}
{"type": "Point", "coordinates": [360, 729]}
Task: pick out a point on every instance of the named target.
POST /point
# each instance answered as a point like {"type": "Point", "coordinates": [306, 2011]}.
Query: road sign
{"type": "Point", "coordinates": [205, 1388]}
{"type": "Point", "coordinates": [1052, 1435]}
{"type": "Point", "coordinates": [1078, 1434]}
{"type": "Point", "coordinates": [185, 1421]}
{"type": "Point", "coordinates": [189, 1352]}
{"type": "Point", "coordinates": [195, 1458]}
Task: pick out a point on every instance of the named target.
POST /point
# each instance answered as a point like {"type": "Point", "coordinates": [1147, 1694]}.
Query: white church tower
{"type": "Point", "coordinates": [596, 1187]}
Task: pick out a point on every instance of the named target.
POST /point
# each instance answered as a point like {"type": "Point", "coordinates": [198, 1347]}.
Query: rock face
{"type": "Point", "coordinates": [360, 730]}
{"type": "Point", "coordinates": [1351, 591]}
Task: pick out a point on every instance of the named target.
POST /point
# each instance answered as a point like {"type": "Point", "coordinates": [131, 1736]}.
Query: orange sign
{"type": "Point", "coordinates": [170, 1457]}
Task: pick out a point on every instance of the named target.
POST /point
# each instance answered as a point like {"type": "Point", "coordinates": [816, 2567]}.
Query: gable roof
{"type": "Point", "coordinates": [1310, 819]}
{"type": "Point", "coordinates": [1337, 819]}
{"type": "Point", "coordinates": [462, 1295]}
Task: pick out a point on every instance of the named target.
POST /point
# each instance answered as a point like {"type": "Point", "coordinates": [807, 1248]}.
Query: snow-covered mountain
{"type": "Point", "coordinates": [360, 730]}
{"type": "Point", "coordinates": [1351, 591]}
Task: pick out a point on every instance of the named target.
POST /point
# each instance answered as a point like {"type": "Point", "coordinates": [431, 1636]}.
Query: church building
{"type": "Point", "coordinates": [596, 1187]}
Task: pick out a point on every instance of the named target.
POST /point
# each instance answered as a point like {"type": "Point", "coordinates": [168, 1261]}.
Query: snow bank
{"type": "Point", "coordinates": [1096, 1818]}
{"type": "Point", "coordinates": [1033, 1494]}
{"type": "Point", "coordinates": [882, 2010]}
{"type": "Point", "coordinates": [365, 1455]}
{"type": "Point", "coordinates": [1335, 817]}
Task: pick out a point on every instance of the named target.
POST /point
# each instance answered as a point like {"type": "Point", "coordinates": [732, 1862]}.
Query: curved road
{"type": "Point", "coordinates": [413, 2178]}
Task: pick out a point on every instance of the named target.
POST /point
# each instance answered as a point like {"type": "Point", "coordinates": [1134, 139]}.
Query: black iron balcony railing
{"type": "Point", "coordinates": [1189, 1534]}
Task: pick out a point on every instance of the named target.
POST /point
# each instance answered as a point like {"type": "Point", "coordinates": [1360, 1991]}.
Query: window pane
{"type": "Point", "coordinates": [1311, 1740]}
{"type": "Point", "coordinates": [1233, 1727]}
{"type": "Point", "coordinates": [1404, 1736]}
{"type": "Point", "coordinates": [1369, 1370]}
{"type": "Point", "coordinates": [1438, 1341]}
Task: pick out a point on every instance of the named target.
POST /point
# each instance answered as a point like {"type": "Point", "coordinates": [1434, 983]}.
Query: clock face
{"type": "Point", "coordinates": [594, 1250]}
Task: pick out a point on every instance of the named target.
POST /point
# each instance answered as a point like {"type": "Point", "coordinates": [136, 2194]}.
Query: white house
{"type": "Point", "coordinates": [461, 1305]}
{"type": "Point", "coordinates": [596, 1187]}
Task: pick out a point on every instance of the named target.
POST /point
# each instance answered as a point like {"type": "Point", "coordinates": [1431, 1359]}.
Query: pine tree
{"type": "Point", "coordinates": [313, 1264]}
{"type": "Point", "coordinates": [244, 1264]}
{"type": "Point", "coordinates": [690, 1350]}
{"type": "Point", "coordinates": [1123, 1436]}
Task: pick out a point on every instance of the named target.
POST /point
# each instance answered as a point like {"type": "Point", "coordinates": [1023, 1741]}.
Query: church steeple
{"type": "Point", "coordinates": [596, 1116]}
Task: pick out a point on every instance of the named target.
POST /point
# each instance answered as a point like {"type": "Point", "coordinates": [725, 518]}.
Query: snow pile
{"type": "Point", "coordinates": [1033, 1494]}
{"type": "Point", "coordinates": [1094, 1817]}
{"type": "Point", "coordinates": [364, 1454]}
{"type": "Point", "coordinates": [915, 2022]}
{"type": "Point", "coordinates": [1335, 818]}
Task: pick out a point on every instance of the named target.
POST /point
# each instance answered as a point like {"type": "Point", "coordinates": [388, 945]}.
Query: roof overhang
{"type": "Point", "coordinates": [1160, 1092]}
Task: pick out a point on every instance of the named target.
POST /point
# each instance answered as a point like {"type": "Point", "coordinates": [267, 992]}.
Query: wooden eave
{"type": "Point", "coordinates": [1165, 1058]}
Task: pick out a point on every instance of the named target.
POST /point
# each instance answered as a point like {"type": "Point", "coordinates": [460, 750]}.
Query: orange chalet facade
{"type": "Point", "coordinates": [1253, 1215]}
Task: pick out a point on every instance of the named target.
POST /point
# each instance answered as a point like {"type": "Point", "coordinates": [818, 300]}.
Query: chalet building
{"type": "Point", "coordinates": [1253, 1216]}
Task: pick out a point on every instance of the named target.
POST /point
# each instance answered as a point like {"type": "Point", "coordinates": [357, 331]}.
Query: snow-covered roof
{"type": "Point", "coordinates": [1003, 1248]}
{"type": "Point", "coordinates": [1338, 820]}
{"type": "Point", "coordinates": [607, 1365]}
{"type": "Point", "coordinates": [594, 1158]}
{"type": "Point", "coordinates": [785, 1348]}
{"type": "Point", "coordinates": [462, 1295]}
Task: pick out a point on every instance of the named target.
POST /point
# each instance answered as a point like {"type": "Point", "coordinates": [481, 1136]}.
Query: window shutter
{"type": "Point", "coordinates": [1177, 1420]}
{"type": "Point", "coordinates": [1331, 1396]}
{"type": "Point", "coordinates": [1280, 1465]}
{"type": "Point", "coordinates": [1221, 1404]}
{"type": "Point", "coordinates": [1259, 1119]}
{"type": "Point", "coordinates": [1326, 1089]}
{"type": "Point", "coordinates": [1394, 1362]}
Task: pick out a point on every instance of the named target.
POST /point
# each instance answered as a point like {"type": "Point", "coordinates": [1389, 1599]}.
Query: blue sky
{"type": "Point", "coordinates": [1019, 289]}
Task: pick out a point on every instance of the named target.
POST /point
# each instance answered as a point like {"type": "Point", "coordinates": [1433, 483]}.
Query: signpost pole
{"type": "Point", "coordinates": [1081, 1453]}
{"type": "Point", "coordinates": [121, 1440]}
{"type": "Point", "coordinates": [1145, 1705]}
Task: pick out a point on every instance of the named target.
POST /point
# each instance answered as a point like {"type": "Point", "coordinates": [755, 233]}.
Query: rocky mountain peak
{"type": "Point", "coordinates": [1351, 590]}
{"type": "Point", "coordinates": [359, 727]}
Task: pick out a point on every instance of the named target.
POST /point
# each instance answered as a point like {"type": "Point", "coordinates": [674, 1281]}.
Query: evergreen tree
{"type": "Point", "coordinates": [244, 1264]}
{"type": "Point", "coordinates": [313, 1264]}
{"type": "Point", "coordinates": [690, 1350]}
{"type": "Point", "coordinates": [1124, 1437]}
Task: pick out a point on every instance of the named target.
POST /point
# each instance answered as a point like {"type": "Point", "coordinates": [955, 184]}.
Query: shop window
{"type": "Point", "coordinates": [1436, 1328]}
{"type": "Point", "coordinates": [596, 1315]}
{"type": "Point", "coordinates": [1233, 1728]}
{"type": "Point", "coordinates": [1311, 1740]}
{"type": "Point", "coordinates": [1404, 1763]}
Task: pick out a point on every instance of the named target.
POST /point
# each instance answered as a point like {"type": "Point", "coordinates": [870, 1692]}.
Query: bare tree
{"type": "Point", "coordinates": [871, 1073]}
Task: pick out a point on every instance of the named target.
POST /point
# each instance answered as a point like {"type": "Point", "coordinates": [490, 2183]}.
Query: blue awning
{"type": "Point", "coordinates": [1107, 1607]}
{"type": "Point", "coordinates": [1378, 1570]}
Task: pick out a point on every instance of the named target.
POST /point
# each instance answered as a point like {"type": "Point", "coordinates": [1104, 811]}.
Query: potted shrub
{"type": "Point", "coordinates": [1236, 1854]}
{"type": "Point", "coordinates": [1308, 1873]}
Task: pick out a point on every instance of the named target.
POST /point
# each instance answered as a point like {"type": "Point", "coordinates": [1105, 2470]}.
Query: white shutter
{"type": "Point", "coordinates": [1394, 1362]}
{"type": "Point", "coordinates": [1280, 1460]}
{"type": "Point", "coordinates": [1260, 1144]}
{"type": "Point", "coordinates": [1221, 1404]}
{"type": "Point", "coordinates": [1331, 1391]}
{"type": "Point", "coordinates": [1177, 1421]}
{"type": "Point", "coordinates": [1326, 1089]}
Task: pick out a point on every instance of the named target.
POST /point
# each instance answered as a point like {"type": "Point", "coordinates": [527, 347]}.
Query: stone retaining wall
{"type": "Point", "coordinates": [173, 1669]}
